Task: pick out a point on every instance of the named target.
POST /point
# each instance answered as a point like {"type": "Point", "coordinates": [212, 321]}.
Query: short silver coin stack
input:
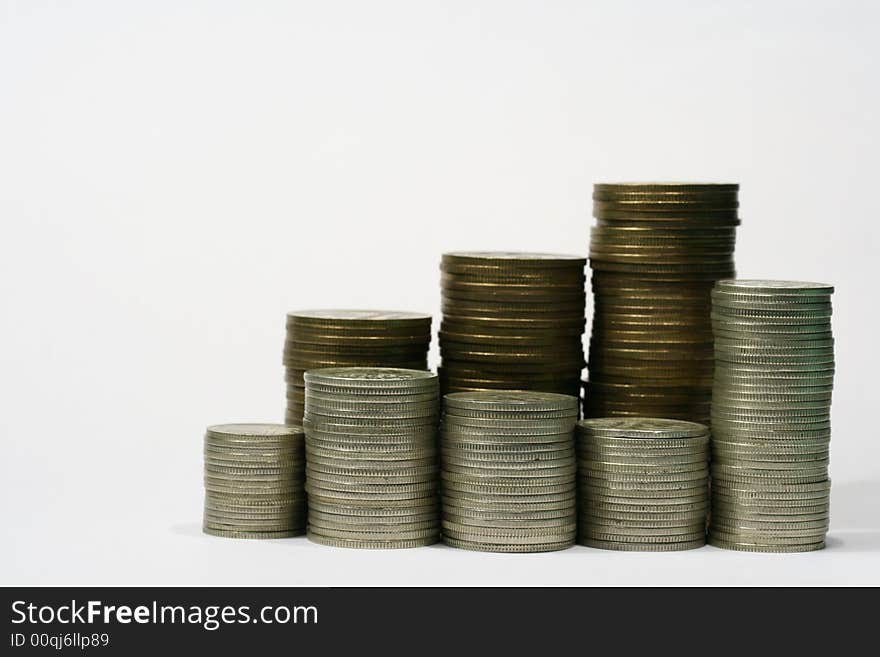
{"type": "Point", "coordinates": [643, 484]}
{"type": "Point", "coordinates": [371, 452]}
{"type": "Point", "coordinates": [508, 477]}
{"type": "Point", "coordinates": [254, 481]}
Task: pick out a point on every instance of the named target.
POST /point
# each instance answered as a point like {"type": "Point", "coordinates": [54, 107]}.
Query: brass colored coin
{"type": "Point", "coordinates": [349, 317]}
{"type": "Point", "coordinates": [522, 260]}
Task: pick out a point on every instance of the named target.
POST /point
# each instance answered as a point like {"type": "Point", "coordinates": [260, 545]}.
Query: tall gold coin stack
{"type": "Point", "coordinates": [512, 321]}
{"type": "Point", "coordinates": [254, 481]}
{"type": "Point", "coordinates": [771, 403]}
{"type": "Point", "coordinates": [350, 338]}
{"type": "Point", "coordinates": [655, 252]}
{"type": "Point", "coordinates": [371, 457]}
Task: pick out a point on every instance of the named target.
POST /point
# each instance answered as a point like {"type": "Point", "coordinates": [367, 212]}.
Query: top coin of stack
{"type": "Point", "coordinates": [771, 402]}
{"type": "Point", "coordinates": [350, 338]}
{"type": "Point", "coordinates": [655, 252]}
{"type": "Point", "coordinates": [512, 321]}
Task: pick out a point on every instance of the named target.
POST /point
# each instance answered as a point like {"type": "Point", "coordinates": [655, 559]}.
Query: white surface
{"type": "Point", "coordinates": [175, 176]}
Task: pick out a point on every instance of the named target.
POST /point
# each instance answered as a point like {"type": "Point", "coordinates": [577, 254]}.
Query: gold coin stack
{"type": "Point", "coordinates": [655, 253]}
{"type": "Point", "coordinates": [512, 321]}
{"type": "Point", "coordinates": [350, 338]}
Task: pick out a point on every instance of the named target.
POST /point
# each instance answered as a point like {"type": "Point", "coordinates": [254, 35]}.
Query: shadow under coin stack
{"type": "Point", "coordinates": [771, 403]}
{"type": "Point", "coordinates": [254, 481]}
{"type": "Point", "coordinates": [371, 452]}
{"type": "Point", "coordinates": [509, 471]}
{"type": "Point", "coordinates": [655, 252]}
{"type": "Point", "coordinates": [350, 338]}
{"type": "Point", "coordinates": [512, 321]}
{"type": "Point", "coordinates": [643, 484]}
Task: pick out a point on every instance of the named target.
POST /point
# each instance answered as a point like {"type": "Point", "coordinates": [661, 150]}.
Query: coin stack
{"type": "Point", "coordinates": [254, 481]}
{"type": "Point", "coordinates": [508, 472]}
{"type": "Point", "coordinates": [643, 484]}
{"type": "Point", "coordinates": [771, 403]}
{"type": "Point", "coordinates": [655, 252]}
{"type": "Point", "coordinates": [512, 321]}
{"type": "Point", "coordinates": [371, 453]}
{"type": "Point", "coordinates": [346, 338]}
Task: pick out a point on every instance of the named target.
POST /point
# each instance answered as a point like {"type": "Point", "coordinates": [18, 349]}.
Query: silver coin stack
{"type": "Point", "coordinates": [508, 471]}
{"type": "Point", "coordinates": [642, 483]}
{"type": "Point", "coordinates": [371, 452]}
{"type": "Point", "coordinates": [254, 481]}
{"type": "Point", "coordinates": [771, 403]}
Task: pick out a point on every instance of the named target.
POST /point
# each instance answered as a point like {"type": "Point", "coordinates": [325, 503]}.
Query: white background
{"type": "Point", "coordinates": [175, 176]}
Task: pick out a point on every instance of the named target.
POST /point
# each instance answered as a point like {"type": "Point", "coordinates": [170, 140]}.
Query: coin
{"type": "Point", "coordinates": [373, 543]}
{"type": "Point", "coordinates": [654, 429]}
{"type": "Point", "coordinates": [482, 546]}
{"type": "Point", "coordinates": [765, 547]}
{"type": "Point", "coordinates": [642, 547]}
{"type": "Point", "coordinates": [234, 533]}
{"type": "Point", "coordinates": [513, 259]}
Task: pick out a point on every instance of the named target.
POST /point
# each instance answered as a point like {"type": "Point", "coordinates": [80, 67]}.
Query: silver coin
{"type": "Point", "coordinates": [506, 400]}
{"type": "Point", "coordinates": [607, 537]}
{"type": "Point", "coordinates": [484, 499]}
{"type": "Point", "coordinates": [507, 537]}
{"type": "Point", "coordinates": [368, 505]}
{"type": "Point", "coordinates": [372, 544]}
{"type": "Point", "coordinates": [506, 547]}
{"type": "Point", "coordinates": [755, 547]}
{"type": "Point", "coordinates": [642, 547]}
{"type": "Point", "coordinates": [610, 495]}
{"type": "Point", "coordinates": [371, 377]}
{"type": "Point", "coordinates": [232, 533]}
{"type": "Point", "coordinates": [392, 534]}
{"type": "Point", "coordinates": [367, 496]}
{"type": "Point", "coordinates": [633, 428]}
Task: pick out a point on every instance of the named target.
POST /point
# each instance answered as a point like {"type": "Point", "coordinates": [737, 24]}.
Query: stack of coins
{"type": "Point", "coordinates": [771, 403]}
{"type": "Point", "coordinates": [371, 452]}
{"type": "Point", "coordinates": [350, 338]}
{"type": "Point", "coordinates": [643, 484]}
{"type": "Point", "coordinates": [509, 471]}
{"type": "Point", "coordinates": [655, 252]}
{"type": "Point", "coordinates": [254, 481]}
{"type": "Point", "coordinates": [512, 321]}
